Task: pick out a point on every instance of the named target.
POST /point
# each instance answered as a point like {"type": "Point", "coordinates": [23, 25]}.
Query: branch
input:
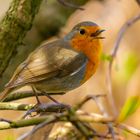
{"type": "Point", "coordinates": [43, 127]}
{"type": "Point", "coordinates": [15, 106]}
{"type": "Point", "coordinates": [79, 117]}
{"type": "Point", "coordinates": [63, 2]}
{"type": "Point", "coordinates": [129, 129]}
{"type": "Point", "coordinates": [24, 94]}
{"type": "Point", "coordinates": [121, 33]}
{"type": "Point", "coordinates": [83, 117]}
{"type": "Point", "coordinates": [26, 122]}
{"type": "Point", "coordinates": [14, 26]}
{"type": "Point", "coordinates": [138, 2]}
{"type": "Point", "coordinates": [49, 107]}
{"type": "Point", "coordinates": [113, 54]}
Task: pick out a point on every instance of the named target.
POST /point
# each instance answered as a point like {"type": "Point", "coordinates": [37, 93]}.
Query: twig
{"type": "Point", "coordinates": [81, 128]}
{"type": "Point", "coordinates": [63, 2]}
{"type": "Point", "coordinates": [129, 129]}
{"type": "Point", "coordinates": [101, 108]}
{"type": "Point", "coordinates": [24, 94]}
{"type": "Point", "coordinates": [79, 116]}
{"type": "Point", "coordinates": [87, 98]}
{"type": "Point", "coordinates": [51, 107]}
{"type": "Point", "coordinates": [84, 117]}
{"type": "Point", "coordinates": [113, 54]}
{"type": "Point", "coordinates": [36, 128]}
{"type": "Point", "coordinates": [99, 119]}
{"type": "Point", "coordinates": [105, 114]}
{"type": "Point", "coordinates": [15, 106]}
{"type": "Point", "coordinates": [26, 122]}
{"type": "Point", "coordinates": [5, 120]}
{"type": "Point", "coordinates": [122, 31]}
{"type": "Point", "coordinates": [48, 107]}
{"type": "Point", "coordinates": [99, 105]}
{"type": "Point", "coordinates": [91, 117]}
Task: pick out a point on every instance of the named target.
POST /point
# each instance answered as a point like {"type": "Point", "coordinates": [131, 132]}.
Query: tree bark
{"type": "Point", "coordinates": [14, 26]}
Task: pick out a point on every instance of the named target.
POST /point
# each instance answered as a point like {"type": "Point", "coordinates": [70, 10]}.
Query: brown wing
{"type": "Point", "coordinates": [46, 62]}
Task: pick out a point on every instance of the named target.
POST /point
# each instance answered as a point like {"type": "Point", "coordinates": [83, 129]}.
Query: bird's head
{"type": "Point", "coordinates": [85, 37]}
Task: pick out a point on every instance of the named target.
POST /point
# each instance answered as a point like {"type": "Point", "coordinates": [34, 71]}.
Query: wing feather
{"type": "Point", "coordinates": [46, 62]}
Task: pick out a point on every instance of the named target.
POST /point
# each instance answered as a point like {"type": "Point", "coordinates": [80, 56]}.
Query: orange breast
{"type": "Point", "coordinates": [91, 48]}
{"type": "Point", "coordinates": [90, 70]}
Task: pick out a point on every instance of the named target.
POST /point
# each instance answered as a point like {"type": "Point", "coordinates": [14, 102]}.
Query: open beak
{"type": "Point", "coordinates": [98, 32]}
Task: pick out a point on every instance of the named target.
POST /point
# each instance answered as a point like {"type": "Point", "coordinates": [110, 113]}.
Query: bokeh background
{"type": "Point", "coordinates": [54, 21]}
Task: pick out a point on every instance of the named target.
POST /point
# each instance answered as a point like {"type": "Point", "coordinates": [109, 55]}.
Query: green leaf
{"type": "Point", "coordinates": [10, 137]}
{"type": "Point", "coordinates": [130, 64]}
{"type": "Point", "coordinates": [129, 108]}
{"type": "Point", "coordinates": [106, 57]}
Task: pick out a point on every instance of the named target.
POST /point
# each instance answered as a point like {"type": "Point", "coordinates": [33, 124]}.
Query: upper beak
{"type": "Point", "coordinates": [100, 31]}
{"type": "Point", "coordinates": [95, 34]}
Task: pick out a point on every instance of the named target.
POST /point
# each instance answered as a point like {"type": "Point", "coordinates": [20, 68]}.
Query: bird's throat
{"type": "Point", "coordinates": [92, 50]}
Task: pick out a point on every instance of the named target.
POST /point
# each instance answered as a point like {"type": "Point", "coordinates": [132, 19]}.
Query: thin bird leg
{"type": "Point", "coordinates": [36, 95]}
{"type": "Point", "coordinates": [46, 94]}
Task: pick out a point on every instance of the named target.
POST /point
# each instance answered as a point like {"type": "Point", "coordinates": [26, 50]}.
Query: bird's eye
{"type": "Point", "coordinates": [82, 31]}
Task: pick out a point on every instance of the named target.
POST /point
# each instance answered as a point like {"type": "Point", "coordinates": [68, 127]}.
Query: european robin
{"type": "Point", "coordinates": [61, 65]}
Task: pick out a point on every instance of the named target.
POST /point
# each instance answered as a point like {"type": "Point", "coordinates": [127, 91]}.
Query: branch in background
{"type": "Point", "coordinates": [14, 26]}
{"type": "Point", "coordinates": [138, 2]}
{"type": "Point", "coordinates": [113, 54]}
{"type": "Point", "coordinates": [121, 33]}
{"type": "Point", "coordinates": [63, 2]}
{"type": "Point", "coordinates": [87, 98]}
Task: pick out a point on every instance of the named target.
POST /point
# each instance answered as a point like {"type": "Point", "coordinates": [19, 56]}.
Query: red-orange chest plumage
{"type": "Point", "coordinates": [91, 48]}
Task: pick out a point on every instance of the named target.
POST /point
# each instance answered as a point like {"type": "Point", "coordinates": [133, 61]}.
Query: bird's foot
{"type": "Point", "coordinates": [46, 107]}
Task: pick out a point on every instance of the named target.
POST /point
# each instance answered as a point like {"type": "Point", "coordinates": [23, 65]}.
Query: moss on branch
{"type": "Point", "coordinates": [24, 94]}
{"type": "Point", "coordinates": [96, 118]}
{"type": "Point", "coordinates": [14, 26]}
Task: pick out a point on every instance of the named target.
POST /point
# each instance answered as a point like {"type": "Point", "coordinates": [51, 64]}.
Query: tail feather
{"type": "Point", "coordinates": [4, 94]}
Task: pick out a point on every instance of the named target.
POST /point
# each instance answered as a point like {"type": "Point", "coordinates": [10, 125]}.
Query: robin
{"type": "Point", "coordinates": [61, 65]}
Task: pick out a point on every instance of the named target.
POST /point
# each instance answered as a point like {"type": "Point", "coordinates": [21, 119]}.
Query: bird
{"type": "Point", "coordinates": [61, 65]}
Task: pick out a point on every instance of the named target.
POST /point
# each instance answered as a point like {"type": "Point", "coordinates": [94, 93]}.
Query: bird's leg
{"type": "Point", "coordinates": [36, 95]}
{"type": "Point", "coordinates": [29, 112]}
{"type": "Point", "coordinates": [55, 101]}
